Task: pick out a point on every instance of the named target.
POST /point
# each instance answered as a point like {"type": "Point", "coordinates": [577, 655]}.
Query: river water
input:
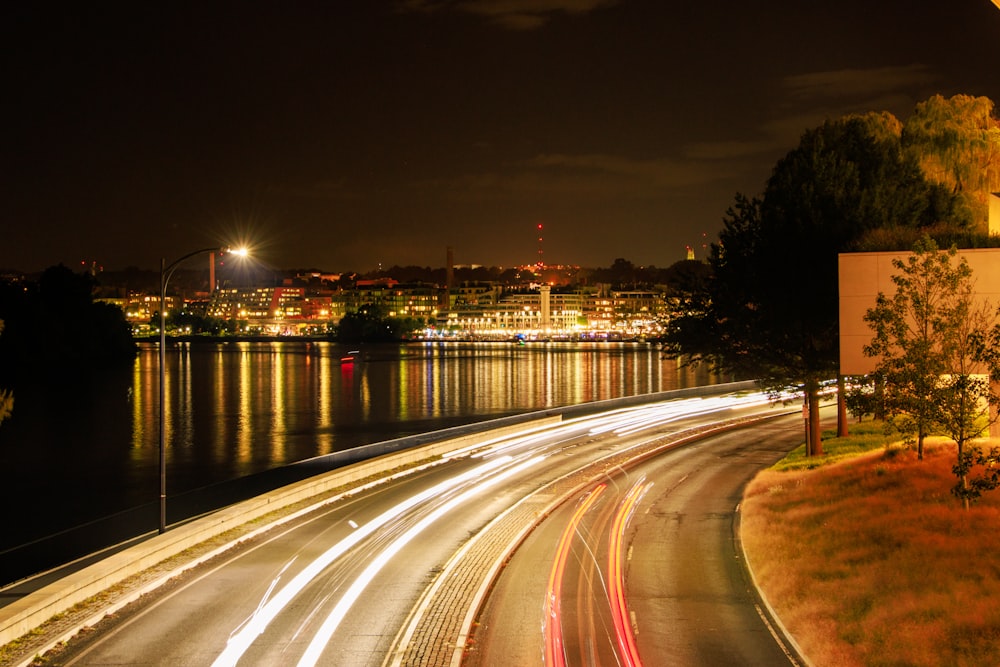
{"type": "Point", "coordinates": [77, 449]}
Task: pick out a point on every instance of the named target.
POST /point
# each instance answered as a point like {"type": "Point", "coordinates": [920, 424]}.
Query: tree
{"type": "Point", "coordinates": [864, 396]}
{"type": "Point", "coordinates": [966, 398]}
{"type": "Point", "coordinates": [622, 274]}
{"type": "Point", "coordinates": [910, 330]}
{"type": "Point", "coordinates": [957, 142]}
{"type": "Point", "coordinates": [195, 324]}
{"type": "Point", "coordinates": [930, 339]}
{"type": "Point", "coordinates": [979, 470]}
{"type": "Point", "coordinates": [370, 324]}
{"type": "Point", "coordinates": [56, 324]}
{"type": "Point", "coordinates": [770, 309]}
{"type": "Point", "coordinates": [685, 277]}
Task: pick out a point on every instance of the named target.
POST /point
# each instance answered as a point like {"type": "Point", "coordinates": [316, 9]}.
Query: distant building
{"type": "Point", "coordinates": [282, 311]}
{"type": "Point", "coordinates": [540, 313]}
{"type": "Point", "coordinates": [311, 303]}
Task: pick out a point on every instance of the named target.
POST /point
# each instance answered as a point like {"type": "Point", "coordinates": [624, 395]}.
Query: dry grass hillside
{"type": "Point", "coordinates": [871, 561]}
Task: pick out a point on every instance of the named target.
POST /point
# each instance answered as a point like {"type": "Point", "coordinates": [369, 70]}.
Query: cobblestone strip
{"type": "Point", "coordinates": [439, 635]}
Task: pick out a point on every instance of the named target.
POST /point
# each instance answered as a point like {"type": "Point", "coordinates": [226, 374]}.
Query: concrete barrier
{"type": "Point", "coordinates": [26, 614]}
{"type": "Point", "coordinates": [34, 609]}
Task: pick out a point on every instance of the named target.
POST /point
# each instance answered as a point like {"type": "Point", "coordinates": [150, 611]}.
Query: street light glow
{"type": "Point", "coordinates": [166, 271]}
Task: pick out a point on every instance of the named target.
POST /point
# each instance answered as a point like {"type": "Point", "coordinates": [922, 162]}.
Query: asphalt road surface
{"type": "Point", "coordinates": [660, 535]}
{"type": "Point", "coordinates": [395, 574]}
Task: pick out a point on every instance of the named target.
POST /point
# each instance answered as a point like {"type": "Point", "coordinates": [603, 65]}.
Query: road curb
{"type": "Point", "coordinates": [446, 647]}
{"type": "Point", "coordinates": [764, 608]}
{"type": "Point", "coordinates": [54, 602]}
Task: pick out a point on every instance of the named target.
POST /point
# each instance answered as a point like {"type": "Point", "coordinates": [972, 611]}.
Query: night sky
{"type": "Point", "coordinates": [347, 134]}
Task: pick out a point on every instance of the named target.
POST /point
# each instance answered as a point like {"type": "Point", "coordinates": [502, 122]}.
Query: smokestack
{"type": "Point", "coordinates": [444, 299]}
{"type": "Point", "coordinates": [541, 261]}
{"type": "Point", "coordinates": [450, 271]}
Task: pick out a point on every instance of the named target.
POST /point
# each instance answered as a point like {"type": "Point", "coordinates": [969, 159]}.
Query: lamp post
{"type": "Point", "coordinates": [165, 272]}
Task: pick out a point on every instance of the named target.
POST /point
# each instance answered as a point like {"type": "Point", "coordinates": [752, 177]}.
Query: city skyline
{"type": "Point", "coordinates": [381, 134]}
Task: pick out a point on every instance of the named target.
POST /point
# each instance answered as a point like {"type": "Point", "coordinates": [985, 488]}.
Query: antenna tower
{"type": "Point", "coordinates": [541, 262]}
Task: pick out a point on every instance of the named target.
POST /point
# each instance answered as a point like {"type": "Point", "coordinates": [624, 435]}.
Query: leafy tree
{"type": "Point", "coordinates": [931, 342]}
{"type": "Point", "coordinates": [55, 323]}
{"type": "Point", "coordinates": [369, 324]}
{"type": "Point", "coordinates": [770, 309]}
{"type": "Point", "coordinates": [910, 329]}
{"type": "Point", "coordinates": [966, 398]}
{"type": "Point", "coordinates": [623, 275]}
{"type": "Point", "coordinates": [688, 276]}
{"type": "Point", "coordinates": [864, 396]}
{"type": "Point", "coordinates": [957, 142]}
{"type": "Point", "coordinates": [197, 324]}
{"type": "Point", "coordinates": [979, 470]}
{"type": "Point", "coordinates": [852, 176]}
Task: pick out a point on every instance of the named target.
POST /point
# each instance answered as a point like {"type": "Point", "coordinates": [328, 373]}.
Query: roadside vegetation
{"type": "Point", "coordinates": [878, 546]}
{"type": "Point", "coordinates": [865, 436]}
{"type": "Point", "coordinates": [769, 306]}
{"type": "Point", "coordinates": [868, 558]}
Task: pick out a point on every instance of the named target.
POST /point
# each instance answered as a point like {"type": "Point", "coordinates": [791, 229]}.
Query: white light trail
{"type": "Point", "coordinates": [655, 415]}
{"type": "Point", "coordinates": [336, 616]}
{"type": "Point", "coordinates": [622, 422]}
{"type": "Point", "coordinates": [464, 451]}
{"type": "Point", "coordinates": [241, 640]}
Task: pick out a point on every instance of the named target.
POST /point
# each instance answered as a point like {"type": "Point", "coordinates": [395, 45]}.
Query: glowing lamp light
{"type": "Point", "coordinates": [166, 271]}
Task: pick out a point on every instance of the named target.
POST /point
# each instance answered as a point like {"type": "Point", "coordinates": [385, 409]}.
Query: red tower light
{"type": "Point", "coordinates": [540, 262]}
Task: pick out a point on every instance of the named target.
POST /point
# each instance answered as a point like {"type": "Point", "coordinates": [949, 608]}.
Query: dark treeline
{"type": "Point", "coordinates": [622, 274]}
{"type": "Point", "coordinates": [54, 325]}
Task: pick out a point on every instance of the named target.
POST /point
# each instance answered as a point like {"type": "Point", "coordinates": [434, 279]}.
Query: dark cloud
{"type": "Point", "coordinates": [858, 83]}
{"type": "Point", "coordinates": [512, 14]}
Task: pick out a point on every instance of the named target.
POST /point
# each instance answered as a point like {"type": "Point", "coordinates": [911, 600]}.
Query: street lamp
{"type": "Point", "coordinates": [165, 272]}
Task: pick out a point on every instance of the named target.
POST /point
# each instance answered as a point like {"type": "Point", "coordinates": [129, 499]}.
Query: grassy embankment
{"type": "Point", "coordinates": [870, 560]}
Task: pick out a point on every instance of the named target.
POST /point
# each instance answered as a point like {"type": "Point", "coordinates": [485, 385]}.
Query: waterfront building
{"type": "Point", "coordinates": [471, 310]}
{"type": "Point", "coordinates": [390, 299]}
{"type": "Point", "coordinates": [638, 312]}
{"type": "Point", "coordinates": [542, 314]}
{"type": "Point", "coordinates": [279, 311]}
{"type": "Point", "coordinates": [477, 293]}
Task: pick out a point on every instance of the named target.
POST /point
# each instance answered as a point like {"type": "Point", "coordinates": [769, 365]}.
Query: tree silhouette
{"type": "Point", "coordinates": [770, 310]}
{"type": "Point", "coordinates": [55, 325]}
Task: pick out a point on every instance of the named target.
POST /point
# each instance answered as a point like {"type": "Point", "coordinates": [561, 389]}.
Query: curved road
{"type": "Point", "coordinates": [668, 524]}
{"type": "Point", "coordinates": [394, 574]}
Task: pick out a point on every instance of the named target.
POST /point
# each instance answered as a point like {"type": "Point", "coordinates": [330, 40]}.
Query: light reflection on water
{"type": "Point", "coordinates": [245, 406]}
{"type": "Point", "coordinates": [235, 409]}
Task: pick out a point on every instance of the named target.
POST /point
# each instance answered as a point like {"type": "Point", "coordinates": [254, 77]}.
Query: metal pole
{"type": "Point", "coordinates": [165, 273]}
{"type": "Point", "coordinates": [163, 393]}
